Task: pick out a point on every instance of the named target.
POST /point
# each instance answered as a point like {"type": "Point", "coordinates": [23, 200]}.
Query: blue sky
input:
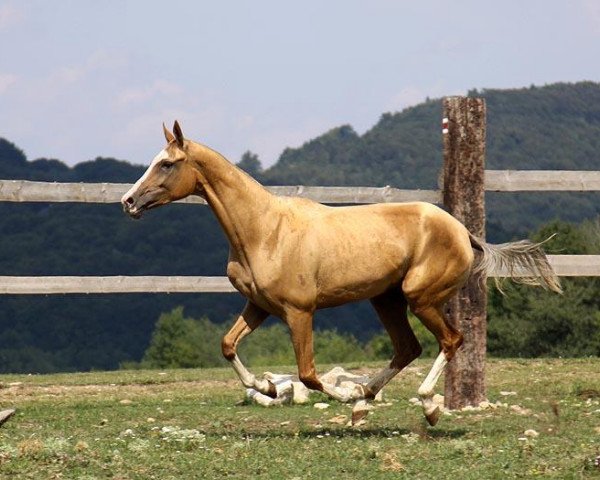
{"type": "Point", "coordinates": [80, 79]}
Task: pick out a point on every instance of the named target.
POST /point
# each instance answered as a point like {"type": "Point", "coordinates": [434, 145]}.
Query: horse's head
{"type": "Point", "coordinates": [170, 176]}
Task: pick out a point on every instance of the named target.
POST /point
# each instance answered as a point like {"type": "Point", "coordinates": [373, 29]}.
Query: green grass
{"type": "Point", "coordinates": [191, 424]}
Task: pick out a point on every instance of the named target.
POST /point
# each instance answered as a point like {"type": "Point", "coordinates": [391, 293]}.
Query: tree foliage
{"type": "Point", "coordinates": [250, 163]}
{"type": "Point", "coordinates": [179, 342]}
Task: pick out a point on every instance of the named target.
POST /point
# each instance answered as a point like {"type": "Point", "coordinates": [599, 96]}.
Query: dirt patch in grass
{"type": "Point", "coordinates": [25, 391]}
{"type": "Point", "coordinates": [589, 393]}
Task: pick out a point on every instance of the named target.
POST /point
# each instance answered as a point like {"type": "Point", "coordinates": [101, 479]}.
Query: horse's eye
{"type": "Point", "coordinates": [166, 166]}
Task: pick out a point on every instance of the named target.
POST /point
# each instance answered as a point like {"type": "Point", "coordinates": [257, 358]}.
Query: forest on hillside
{"type": "Point", "coordinates": [551, 127]}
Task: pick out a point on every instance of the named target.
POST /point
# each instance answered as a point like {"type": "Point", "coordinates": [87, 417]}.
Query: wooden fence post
{"type": "Point", "coordinates": [464, 163]}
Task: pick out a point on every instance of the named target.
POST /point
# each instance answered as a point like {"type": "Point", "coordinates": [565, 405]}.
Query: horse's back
{"type": "Point", "coordinates": [365, 250]}
{"type": "Point", "coordinates": [413, 230]}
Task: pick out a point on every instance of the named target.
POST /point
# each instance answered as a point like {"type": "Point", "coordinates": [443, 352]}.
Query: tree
{"type": "Point", "coordinates": [250, 163]}
{"type": "Point", "coordinates": [179, 342]}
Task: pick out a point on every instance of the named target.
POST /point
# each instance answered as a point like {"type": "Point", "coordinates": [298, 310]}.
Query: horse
{"type": "Point", "coordinates": [291, 256]}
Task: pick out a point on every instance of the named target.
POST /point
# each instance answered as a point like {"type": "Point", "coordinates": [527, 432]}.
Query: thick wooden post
{"type": "Point", "coordinates": [464, 163]}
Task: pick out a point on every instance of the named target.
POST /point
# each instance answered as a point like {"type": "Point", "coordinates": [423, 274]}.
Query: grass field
{"type": "Point", "coordinates": [183, 424]}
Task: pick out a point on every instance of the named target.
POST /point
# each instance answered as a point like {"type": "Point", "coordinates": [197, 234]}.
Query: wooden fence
{"type": "Point", "coordinates": [495, 180]}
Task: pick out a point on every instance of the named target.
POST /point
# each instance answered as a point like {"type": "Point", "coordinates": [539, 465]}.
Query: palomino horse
{"type": "Point", "coordinates": [292, 256]}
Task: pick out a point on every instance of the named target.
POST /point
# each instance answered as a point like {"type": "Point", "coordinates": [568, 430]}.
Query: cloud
{"type": "Point", "coordinates": [100, 60]}
{"type": "Point", "coordinates": [77, 97]}
{"type": "Point", "coordinates": [407, 97]}
{"type": "Point", "coordinates": [90, 79]}
{"type": "Point", "coordinates": [159, 88]}
{"type": "Point", "coordinates": [6, 80]}
{"type": "Point", "coordinates": [592, 9]}
{"type": "Point", "coordinates": [244, 121]}
{"type": "Point", "coordinates": [141, 124]}
{"type": "Point", "coordinates": [411, 96]}
{"type": "Point", "coordinates": [10, 16]}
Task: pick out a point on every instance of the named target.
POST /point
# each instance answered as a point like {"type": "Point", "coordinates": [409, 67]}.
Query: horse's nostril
{"type": "Point", "coordinates": [129, 201]}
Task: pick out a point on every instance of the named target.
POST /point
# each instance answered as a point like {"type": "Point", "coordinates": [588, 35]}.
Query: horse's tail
{"type": "Point", "coordinates": [523, 261]}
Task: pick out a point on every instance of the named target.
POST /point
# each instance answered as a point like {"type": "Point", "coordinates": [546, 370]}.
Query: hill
{"type": "Point", "coordinates": [551, 127]}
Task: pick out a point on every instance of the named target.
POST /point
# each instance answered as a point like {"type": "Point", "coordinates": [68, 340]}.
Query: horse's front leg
{"type": "Point", "coordinates": [251, 317]}
{"type": "Point", "coordinates": [301, 330]}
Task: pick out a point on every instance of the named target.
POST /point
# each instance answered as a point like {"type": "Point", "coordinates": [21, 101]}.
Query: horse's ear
{"type": "Point", "coordinates": [168, 135]}
{"type": "Point", "coordinates": [178, 134]}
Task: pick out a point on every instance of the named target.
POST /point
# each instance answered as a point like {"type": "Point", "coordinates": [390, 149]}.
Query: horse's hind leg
{"type": "Point", "coordinates": [449, 340]}
{"type": "Point", "coordinates": [426, 303]}
{"type": "Point", "coordinates": [251, 317]}
{"type": "Point", "coordinates": [391, 307]}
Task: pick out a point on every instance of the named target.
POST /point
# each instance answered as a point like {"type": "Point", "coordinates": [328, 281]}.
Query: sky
{"type": "Point", "coordinates": [82, 79]}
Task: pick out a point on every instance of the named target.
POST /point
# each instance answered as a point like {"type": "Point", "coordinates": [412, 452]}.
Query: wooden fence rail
{"type": "Point", "coordinates": [495, 180]}
{"type": "Point", "coordinates": [541, 180]}
{"type": "Point", "coordinates": [564, 265]}
{"type": "Point", "coordinates": [114, 284]}
{"type": "Point", "coordinates": [27, 191]}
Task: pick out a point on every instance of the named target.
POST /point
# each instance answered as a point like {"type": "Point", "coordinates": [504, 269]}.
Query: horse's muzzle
{"type": "Point", "coordinates": [130, 208]}
{"type": "Point", "coordinates": [135, 214]}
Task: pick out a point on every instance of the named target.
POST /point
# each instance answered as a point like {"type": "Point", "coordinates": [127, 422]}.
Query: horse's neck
{"type": "Point", "coordinates": [239, 202]}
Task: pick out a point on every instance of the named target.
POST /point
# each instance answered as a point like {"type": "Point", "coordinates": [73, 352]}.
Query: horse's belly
{"type": "Point", "coordinates": [343, 285]}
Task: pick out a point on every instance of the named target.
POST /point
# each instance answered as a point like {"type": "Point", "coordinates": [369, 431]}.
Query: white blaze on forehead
{"type": "Point", "coordinates": [162, 155]}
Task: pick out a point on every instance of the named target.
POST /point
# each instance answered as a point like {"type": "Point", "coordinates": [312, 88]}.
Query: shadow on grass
{"type": "Point", "coordinates": [352, 432]}
{"type": "Point", "coordinates": [441, 433]}
{"type": "Point", "coordinates": [424, 433]}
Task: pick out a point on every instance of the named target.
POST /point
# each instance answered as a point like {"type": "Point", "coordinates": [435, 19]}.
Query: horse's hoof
{"type": "Point", "coordinates": [359, 393]}
{"type": "Point", "coordinates": [433, 416]}
{"type": "Point", "coordinates": [360, 410]}
{"type": "Point", "coordinates": [272, 391]}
